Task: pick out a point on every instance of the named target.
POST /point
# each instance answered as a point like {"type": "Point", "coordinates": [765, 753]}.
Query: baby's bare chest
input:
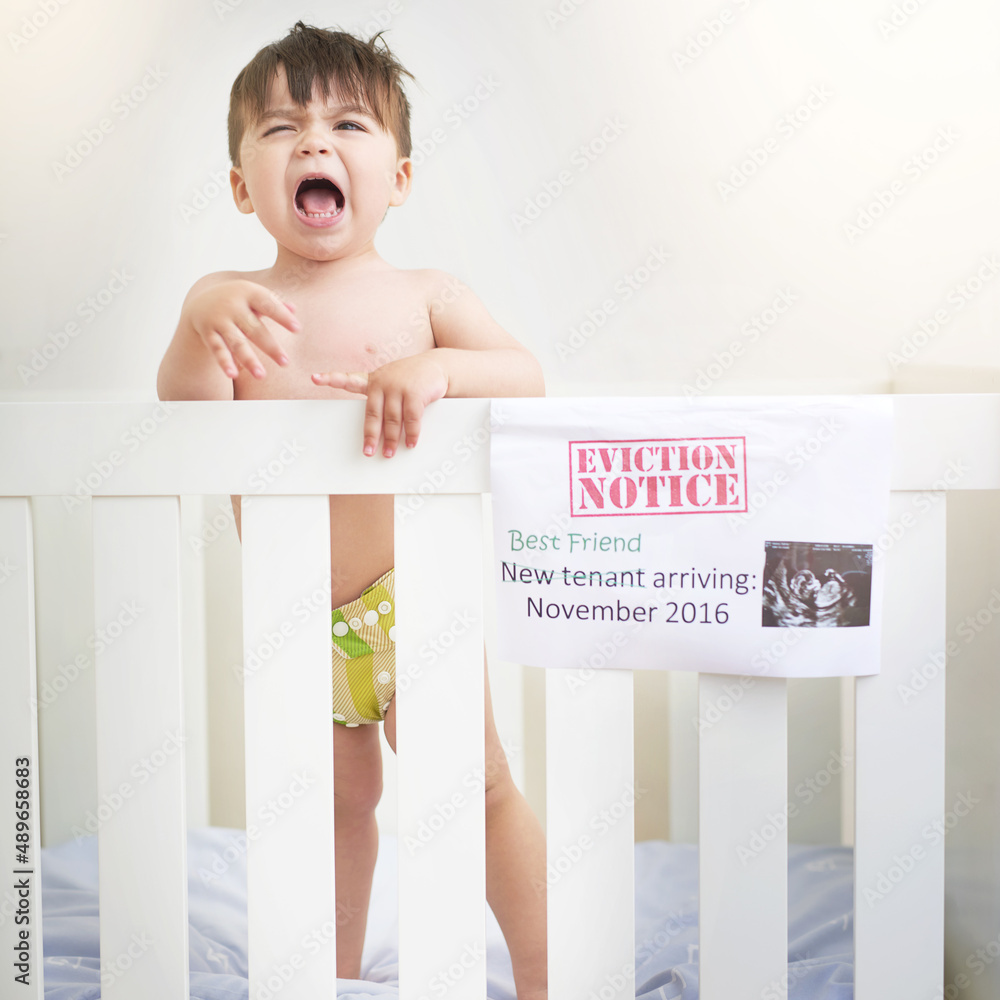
{"type": "Point", "coordinates": [339, 333]}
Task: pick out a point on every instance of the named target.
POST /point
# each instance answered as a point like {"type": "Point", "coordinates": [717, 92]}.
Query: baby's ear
{"type": "Point", "coordinates": [400, 182]}
{"type": "Point", "coordinates": [240, 195]}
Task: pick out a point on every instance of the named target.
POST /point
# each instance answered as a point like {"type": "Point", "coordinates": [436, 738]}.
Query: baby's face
{"type": "Point", "coordinates": [319, 177]}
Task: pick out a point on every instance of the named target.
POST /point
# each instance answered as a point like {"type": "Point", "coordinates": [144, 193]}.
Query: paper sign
{"type": "Point", "coordinates": [722, 535]}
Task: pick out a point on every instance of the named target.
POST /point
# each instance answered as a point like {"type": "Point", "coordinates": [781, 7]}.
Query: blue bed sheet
{"type": "Point", "coordinates": [820, 923]}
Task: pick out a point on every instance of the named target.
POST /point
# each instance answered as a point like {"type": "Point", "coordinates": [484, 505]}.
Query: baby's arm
{"type": "Point", "coordinates": [220, 318]}
{"type": "Point", "coordinates": [473, 356]}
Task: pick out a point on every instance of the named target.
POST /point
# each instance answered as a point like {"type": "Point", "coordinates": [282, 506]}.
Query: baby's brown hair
{"type": "Point", "coordinates": [362, 72]}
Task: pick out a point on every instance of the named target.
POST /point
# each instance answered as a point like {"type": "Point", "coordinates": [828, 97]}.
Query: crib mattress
{"type": "Point", "coordinates": [666, 932]}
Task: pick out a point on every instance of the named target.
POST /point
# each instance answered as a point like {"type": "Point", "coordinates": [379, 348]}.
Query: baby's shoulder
{"type": "Point", "coordinates": [218, 277]}
{"type": "Point", "coordinates": [435, 285]}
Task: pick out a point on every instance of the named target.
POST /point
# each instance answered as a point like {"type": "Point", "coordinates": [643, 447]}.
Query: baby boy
{"type": "Point", "coordinates": [320, 143]}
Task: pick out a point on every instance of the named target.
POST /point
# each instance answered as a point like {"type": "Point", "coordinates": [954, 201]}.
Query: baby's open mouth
{"type": "Point", "coordinates": [318, 198]}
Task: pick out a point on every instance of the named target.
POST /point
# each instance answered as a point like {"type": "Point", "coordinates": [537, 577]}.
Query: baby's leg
{"type": "Point", "coordinates": [515, 862]}
{"type": "Point", "coordinates": [357, 788]}
{"type": "Point", "coordinates": [515, 868]}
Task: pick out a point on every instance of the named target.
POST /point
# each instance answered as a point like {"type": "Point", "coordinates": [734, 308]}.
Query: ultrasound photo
{"type": "Point", "coordinates": [816, 585]}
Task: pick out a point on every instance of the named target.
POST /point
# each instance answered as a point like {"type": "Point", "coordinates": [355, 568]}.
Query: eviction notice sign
{"type": "Point", "coordinates": [723, 535]}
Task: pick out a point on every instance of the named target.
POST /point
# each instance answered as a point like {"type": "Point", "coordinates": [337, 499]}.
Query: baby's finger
{"type": "Point", "coordinates": [253, 328]}
{"type": "Point", "coordinates": [241, 350]}
{"type": "Point", "coordinates": [413, 412]}
{"type": "Point", "coordinates": [216, 343]}
{"type": "Point", "coordinates": [351, 381]}
{"type": "Point", "coordinates": [392, 424]}
{"type": "Point", "coordinates": [373, 421]}
{"type": "Point", "coordinates": [266, 303]}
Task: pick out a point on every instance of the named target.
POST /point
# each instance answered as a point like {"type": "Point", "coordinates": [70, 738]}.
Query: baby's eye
{"type": "Point", "coordinates": [349, 125]}
{"type": "Point", "coordinates": [277, 128]}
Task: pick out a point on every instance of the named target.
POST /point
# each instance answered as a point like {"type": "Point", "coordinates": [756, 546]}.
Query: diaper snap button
{"type": "Point", "coordinates": [371, 617]}
{"type": "Point", "coordinates": [355, 623]}
{"type": "Point", "coordinates": [384, 607]}
{"type": "Point", "coordinates": [340, 628]}
{"type": "Point", "coordinates": [383, 677]}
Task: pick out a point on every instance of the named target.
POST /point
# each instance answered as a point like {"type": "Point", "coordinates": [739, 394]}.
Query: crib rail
{"type": "Point", "coordinates": [131, 461]}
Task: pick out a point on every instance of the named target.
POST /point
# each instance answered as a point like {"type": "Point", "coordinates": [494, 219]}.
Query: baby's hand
{"type": "Point", "coordinates": [397, 395]}
{"type": "Point", "coordinates": [227, 318]}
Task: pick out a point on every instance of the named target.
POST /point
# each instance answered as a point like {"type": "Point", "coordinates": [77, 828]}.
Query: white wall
{"type": "Point", "coordinates": [882, 96]}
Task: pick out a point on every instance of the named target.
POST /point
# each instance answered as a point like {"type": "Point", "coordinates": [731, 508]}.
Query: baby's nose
{"type": "Point", "coordinates": [308, 148]}
{"type": "Point", "coordinates": [313, 141]}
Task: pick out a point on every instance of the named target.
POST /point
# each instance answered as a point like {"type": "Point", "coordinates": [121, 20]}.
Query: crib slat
{"type": "Point", "coordinates": [440, 747]}
{"type": "Point", "coordinates": [288, 692]}
{"type": "Point", "coordinates": [19, 752]}
{"type": "Point", "coordinates": [900, 776]}
{"type": "Point", "coordinates": [142, 844]}
{"type": "Point", "coordinates": [683, 749]}
{"type": "Point", "coordinates": [590, 822]}
{"type": "Point", "coordinates": [743, 837]}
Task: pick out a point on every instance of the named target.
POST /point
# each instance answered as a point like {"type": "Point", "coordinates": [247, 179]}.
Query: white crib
{"type": "Point", "coordinates": [133, 460]}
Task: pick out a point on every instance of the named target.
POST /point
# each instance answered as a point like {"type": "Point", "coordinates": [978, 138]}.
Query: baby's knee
{"type": "Point", "coordinates": [356, 796]}
{"type": "Point", "coordinates": [357, 773]}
